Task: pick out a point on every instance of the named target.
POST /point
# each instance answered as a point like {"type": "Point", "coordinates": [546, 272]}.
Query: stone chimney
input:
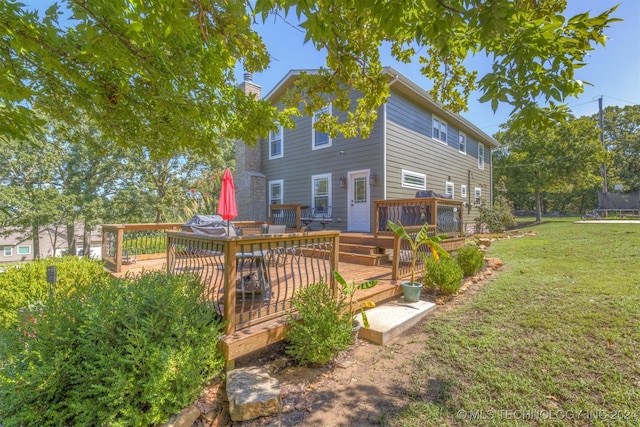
{"type": "Point", "coordinates": [250, 182]}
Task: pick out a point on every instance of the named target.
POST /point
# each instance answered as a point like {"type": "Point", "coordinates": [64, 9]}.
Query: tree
{"type": "Point", "coordinates": [622, 140]}
{"type": "Point", "coordinates": [29, 201]}
{"type": "Point", "coordinates": [559, 159]}
{"type": "Point", "coordinates": [150, 68]}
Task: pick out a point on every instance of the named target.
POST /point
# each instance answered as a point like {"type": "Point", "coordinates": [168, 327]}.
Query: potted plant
{"type": "Point", "coordinates": [411, 290]}
{"type": "Point", "coordinates": [348, 292]}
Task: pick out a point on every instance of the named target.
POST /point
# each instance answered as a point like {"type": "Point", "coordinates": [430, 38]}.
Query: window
{"type": "Point", "coordinates": [276, 196]}
{"type": "Point", "coordinates": [480, 156]}
{"type": "Point", "coordinates": [463, 191]}
{"type": "Point", "coordinates": [321, 191]}
{"type": "Point", "coordinates": [478, 195]}
{"type": "Point", "coordinates": [320, 139]}
{"type": "Point", "coordinates": [24, 250]}
{"type": "Point", "coordinates": [8, 251]}
{"type": "Point", "coordinates": [275, 192]}
{"type": "Point", "coordinates": [414, 180]}
{"type": "Point", "coordinates": [439, 130]}
{"type": "Point", "coordinates": [462, 143]}
{"type": "Point", "coordinates": [275, 143]}
{"type": "Point", "coordinates": [449, 189]}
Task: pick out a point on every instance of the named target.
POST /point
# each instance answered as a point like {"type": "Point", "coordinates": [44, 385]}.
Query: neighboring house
{"type": "Point", "coordinates": [16, 247]}
{"type": "Point", "coordinates": [414, 146]}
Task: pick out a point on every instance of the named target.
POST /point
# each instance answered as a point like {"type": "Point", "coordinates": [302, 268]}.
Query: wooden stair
{"type": "Point", "coordinates": [362, 254]}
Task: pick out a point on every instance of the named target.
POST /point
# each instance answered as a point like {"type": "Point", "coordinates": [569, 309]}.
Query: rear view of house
{"type": "Point", "coordinates": [414, 147]}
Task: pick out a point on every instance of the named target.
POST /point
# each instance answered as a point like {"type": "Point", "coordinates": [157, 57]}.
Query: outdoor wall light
{"type": "Point", "coordinates": [373, 179]}
{"type": "Point", "coordinates": [342, 182]}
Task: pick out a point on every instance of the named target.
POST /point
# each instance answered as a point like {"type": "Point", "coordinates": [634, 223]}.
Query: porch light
{"type": "Point", "coordinates": [342, 182]}
{"type": "Point", "coordinates": [373, 179]}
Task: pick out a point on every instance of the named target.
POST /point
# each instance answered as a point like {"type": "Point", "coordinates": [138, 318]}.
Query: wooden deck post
{"type": "Point", "coordinates": [396, 257]}
{"type": "Point", "coordinates": [119, 238]}
{"type": "Point", "coordinates": [335, 259]}
{"type": "Point", "coordinates": [229, 280]}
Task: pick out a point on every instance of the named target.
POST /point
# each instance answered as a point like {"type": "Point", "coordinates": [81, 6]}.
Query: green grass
{"type": "Point", "coordinates": [554, 340]}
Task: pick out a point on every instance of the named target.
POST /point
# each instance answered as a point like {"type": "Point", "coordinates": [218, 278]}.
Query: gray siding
{"type": "Point", "coordinates": [410, 147]}
{"type": "Point", "coordinates": [300, 162]}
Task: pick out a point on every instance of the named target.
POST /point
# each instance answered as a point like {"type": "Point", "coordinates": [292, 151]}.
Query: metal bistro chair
{"type": "Point", "coordinates": [320, 214]}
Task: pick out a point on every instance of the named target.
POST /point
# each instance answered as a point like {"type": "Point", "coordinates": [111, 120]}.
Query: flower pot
{"type": "Point", "coordinates": [411, 291]}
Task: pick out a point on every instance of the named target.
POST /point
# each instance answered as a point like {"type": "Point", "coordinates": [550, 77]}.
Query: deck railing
{"type": "Point", "coordinates": [127, 243]}
{"type": "Point", "coordinates": [445, 214]}
{"type": "Point", "coordinates": [251, 279]}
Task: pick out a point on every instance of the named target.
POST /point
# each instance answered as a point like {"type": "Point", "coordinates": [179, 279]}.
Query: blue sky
{"type": "Point", "coordinates": [614, 71]}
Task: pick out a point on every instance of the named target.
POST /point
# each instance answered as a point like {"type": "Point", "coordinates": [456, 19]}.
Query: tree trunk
{"type": "Point", "coordinates": [35, 234]}
{"type": "Point", "coordinates": [72, 248]}
{"type": "Point", "coordinates": [538, 206]}
{"type": "Point", "coordinates": [86, 240]}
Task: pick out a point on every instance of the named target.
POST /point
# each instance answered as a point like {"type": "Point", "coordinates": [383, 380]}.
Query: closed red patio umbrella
{"type": "Point", "coordinates": [227, 208]}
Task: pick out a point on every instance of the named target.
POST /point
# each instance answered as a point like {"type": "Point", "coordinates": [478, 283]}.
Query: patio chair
{"type": "Point", "coordinates": [324, 214]}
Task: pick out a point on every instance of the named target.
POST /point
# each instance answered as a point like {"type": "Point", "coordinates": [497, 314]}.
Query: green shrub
{"type": "Point", "coordinates": [26, 283]}
{"type": "Point", "coordinates": [324, 326]}
{"type": "Point", "coordinates": [470, 259]}
{"type": "Point", "coordinates": [121, 353]}
{"type": "Point", "coordinates": [445, 275]}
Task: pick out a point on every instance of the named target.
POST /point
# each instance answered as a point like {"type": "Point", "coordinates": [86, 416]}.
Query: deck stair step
{"type": "Point", "coordinates": [363, 259]}
{"type": "Point", "coordinates": [358, 249]}
{"type": "Point", "coordinates": [391, 319]}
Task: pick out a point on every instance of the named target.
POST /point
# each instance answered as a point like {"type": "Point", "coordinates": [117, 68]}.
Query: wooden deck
{"type": "Point", "coordinates": [349, 271]}
{"type": "Point", "coordinates": [260, 335]}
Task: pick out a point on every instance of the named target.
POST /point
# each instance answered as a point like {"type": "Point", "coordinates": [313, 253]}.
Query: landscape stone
{"type": "Point", "coordinates": [252, 393]}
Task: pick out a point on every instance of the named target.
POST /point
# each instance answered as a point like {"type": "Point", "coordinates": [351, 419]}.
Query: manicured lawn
{"type": "Point", "coordinates": [554, 340]}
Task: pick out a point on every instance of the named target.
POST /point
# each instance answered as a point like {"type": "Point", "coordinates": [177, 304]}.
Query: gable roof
{"type": "Point", "coordinates": [408, 88]}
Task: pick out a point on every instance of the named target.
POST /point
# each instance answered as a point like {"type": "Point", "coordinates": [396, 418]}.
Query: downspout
{"type": "Point", "coordinates": [491, 178]}
{"type": "Point", "coordinates": [468, 196]}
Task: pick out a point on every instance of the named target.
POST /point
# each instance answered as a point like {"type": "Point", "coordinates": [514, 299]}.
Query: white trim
{"type": "Point", "coordinates": [417, 175]}
{"type": "Point", "coordinates": [478, 196]}
{"type": "Point", "coordinates": [450, 186]}
{"type": "Point", "coordinates": [271, 140]}
{"type": "Point", "coordinates": [279, 182]}
{"type": "Point", "coordinates": [350, 179]}
{"type": "Point", "coordinates": [325, 110]}
{"type": "Point", "coordinates": [4, 251]}
{"type": "Point", "coordinates": [480, 156]}
{"type": "Point", "coordinates": [23, 246]}
{"type": "Point", "coordinates": [441, 124]}
{"type": "Point", "coordinates": [462, 136]}
{"type": "Point", "coordinates": [326, 176]}
{"type": "Point", "coordinates": [463, 191]}
{"type": "Point", "coordinates": [384, 152]}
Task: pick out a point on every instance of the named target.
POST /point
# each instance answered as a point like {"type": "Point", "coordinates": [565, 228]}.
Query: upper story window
{"type": "Point", "coordinates": [449, 189]}
{"type": "Point", "coordinates": [24, 250]}
{"type": "Point", "coordinates": [321, 191]}
{"type": "Point", "coordinates": [320, 139]}
{"type": "Point", "coordinates": [439, 130]}
{"type": "Point", "coordinates": [276, 143]}
{"type": "Point", "coordinates": [462, 143]}
{"type": "Point", "coordinates": [414, 180]}
{"type": "Point", "coordinates": [480, 156]}
{"type": "Point", "coordinates": [8, 251]}
{"type": "Point", "coordinates": [463, 191]}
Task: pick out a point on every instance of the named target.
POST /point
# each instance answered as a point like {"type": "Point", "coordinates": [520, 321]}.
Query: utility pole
{"type": "Point", "coordinates": [603, 167]}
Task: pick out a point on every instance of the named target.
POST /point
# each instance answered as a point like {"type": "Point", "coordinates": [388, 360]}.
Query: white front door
{"type": "Point", "coordinates": [358, 203]}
